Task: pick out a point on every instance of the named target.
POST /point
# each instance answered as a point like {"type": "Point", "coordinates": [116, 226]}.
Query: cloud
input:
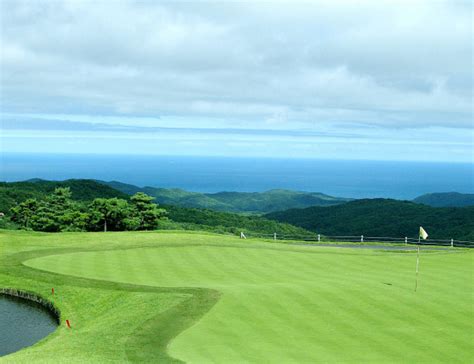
{"type": "Point", "coordinates": [340, 68]}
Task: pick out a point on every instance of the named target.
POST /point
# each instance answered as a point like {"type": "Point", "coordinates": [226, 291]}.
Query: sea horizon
{"type": "Point", "coordinates": [402, 180]}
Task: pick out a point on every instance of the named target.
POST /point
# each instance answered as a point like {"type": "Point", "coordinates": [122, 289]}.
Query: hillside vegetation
{"type": "Point", "coordinates": [84, 192]}
{"type": "Point", "coordinates": [376, 217]}
{"type": "Point", "coordinates": [242, 202]}
{"type": "Point", "coordinates": [12, 193]}
{"type": "Point", "coordinates": [446, 199]}
{"type": "Point", "coordinates": [383, 217]}
{"type": "Point", "coordinates": [225, 222]}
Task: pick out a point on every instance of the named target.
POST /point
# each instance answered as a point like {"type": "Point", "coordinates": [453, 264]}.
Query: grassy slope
{"type": "Point", "coordinates": [279, 303]}
{"type": "Point", "coordinates": [111, 322]}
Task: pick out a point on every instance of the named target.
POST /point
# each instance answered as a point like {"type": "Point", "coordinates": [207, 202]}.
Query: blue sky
{"type": "Point", "coordinates": [376, 80]}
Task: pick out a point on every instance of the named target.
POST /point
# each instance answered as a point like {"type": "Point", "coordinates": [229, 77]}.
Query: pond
{"type": "Point", "coordinates": [22, 323]}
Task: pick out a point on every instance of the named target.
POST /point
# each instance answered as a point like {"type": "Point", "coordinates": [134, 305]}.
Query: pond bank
{"type": "Point", "coordinates": [25, 319]}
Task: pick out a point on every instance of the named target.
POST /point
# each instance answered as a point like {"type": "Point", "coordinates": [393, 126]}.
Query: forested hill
{"type": "Point", "coordinates": [227, 222]}
{"type": "Point", "coordinates": [446, 199]}
{"type": "Point", "coordinates": [248, 202]}
{"type": "Point", "coordinates": [383, 217]}
{"type": "Point", "coordinates": [12, 193]}
{"type": "Point", "coordinates": [375, 217]}
{"type": "Point", "coordinates": [84, 191]}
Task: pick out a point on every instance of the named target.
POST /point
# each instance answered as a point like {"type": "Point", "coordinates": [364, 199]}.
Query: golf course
{"type": "Point", "coordinates": [173, 296]}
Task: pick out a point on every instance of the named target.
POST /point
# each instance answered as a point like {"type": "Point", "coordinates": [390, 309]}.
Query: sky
{"type": "Point", "coordinates": [379, 80]}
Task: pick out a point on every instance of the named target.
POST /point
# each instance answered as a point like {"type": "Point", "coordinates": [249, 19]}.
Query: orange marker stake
{"type": "Point", "coordinates": [68, 324]}
{"type": "Point", "coordinates": [52, 291]}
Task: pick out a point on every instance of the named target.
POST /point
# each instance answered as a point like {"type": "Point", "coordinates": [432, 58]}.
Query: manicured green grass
{"type": "Point", "coordinates": [209, 298]}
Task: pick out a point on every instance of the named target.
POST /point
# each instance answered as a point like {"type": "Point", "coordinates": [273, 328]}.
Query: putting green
{"type": "Point", "coordinates": [298, 304]}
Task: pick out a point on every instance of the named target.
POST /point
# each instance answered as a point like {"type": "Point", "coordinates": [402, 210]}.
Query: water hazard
{"type": "Point", "coordinates": [22, 323]}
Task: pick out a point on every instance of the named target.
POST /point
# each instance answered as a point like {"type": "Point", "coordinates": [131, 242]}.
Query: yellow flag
{"type": "Point", "coordinates": [423, 233]}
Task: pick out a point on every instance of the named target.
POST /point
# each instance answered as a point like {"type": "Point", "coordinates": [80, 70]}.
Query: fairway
{"type": "Point", "coordinates": [282, 303]}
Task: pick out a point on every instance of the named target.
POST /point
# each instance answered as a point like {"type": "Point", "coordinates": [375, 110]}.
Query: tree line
{"type": "Point", "coordinates": [383, 217]}
{"type": "Point", "coordinates": [58, 212]}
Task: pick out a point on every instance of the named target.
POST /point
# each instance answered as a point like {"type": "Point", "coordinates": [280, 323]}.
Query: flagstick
{"type": "Point", "coordinates": [417, 264]}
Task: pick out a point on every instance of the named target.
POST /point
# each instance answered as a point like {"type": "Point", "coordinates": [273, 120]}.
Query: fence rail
{"type": "Point", "coordinates": [362, 239]}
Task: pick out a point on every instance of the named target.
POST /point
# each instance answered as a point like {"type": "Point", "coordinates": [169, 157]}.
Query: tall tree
{"type": "Point", "coordinates": [146, 211]}
{"type": "Point", "coordinates": [23, 212]}
{"type": "Point", "coordinates": [110, 213]}
{"type": "Point", "coordinates": [52, 213]}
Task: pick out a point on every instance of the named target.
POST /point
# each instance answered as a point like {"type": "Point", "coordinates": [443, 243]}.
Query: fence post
{"type": "Point", "coordinates": [274, 236]}
{"type": "Point", "coordinates": [452, 243]}
{"type": "Point", "coordinates": [406, 240]}
{"type": "Point", "coordinates": [319, 238]}
{"type": "Point", "coordinates": [362, 238]}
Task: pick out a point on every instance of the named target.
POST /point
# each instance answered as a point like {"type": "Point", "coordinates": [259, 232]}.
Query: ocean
{"type": "Point", "coordinates": [356, 179]}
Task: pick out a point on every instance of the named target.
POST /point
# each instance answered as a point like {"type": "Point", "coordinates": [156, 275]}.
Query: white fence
{"type": "Point", "coordinates": [318, 238]}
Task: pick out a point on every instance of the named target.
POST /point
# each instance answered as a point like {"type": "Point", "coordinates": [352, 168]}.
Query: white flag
{"type": "Point", "coordinates": [423, 233]}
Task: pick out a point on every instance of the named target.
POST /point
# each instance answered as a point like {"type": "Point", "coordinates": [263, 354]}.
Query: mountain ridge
{"type": "Point", "coordinates": [446, 199]}
{"type": "Point", "coordinates": [230, 201]}
{"type": "Point", "coordinates": [179, 218]}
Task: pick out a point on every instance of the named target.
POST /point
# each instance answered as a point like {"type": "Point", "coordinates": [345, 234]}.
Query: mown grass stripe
{"type": "Point", "coordinates": [292, 304]}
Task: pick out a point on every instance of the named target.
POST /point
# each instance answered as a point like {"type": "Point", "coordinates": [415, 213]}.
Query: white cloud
{"type": "Point", "coordinates": [284, 65]}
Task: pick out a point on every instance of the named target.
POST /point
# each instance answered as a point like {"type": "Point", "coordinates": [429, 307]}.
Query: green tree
{"type": "Point", "coordinates": [46, 218]}
{"type": "Point", "coordinates": [132, 222]}
{"type": "Point", "coordinates": [50, 214]}
{"type": "Point", "coordinates": [146, 211]}
{"type": "Point", "coordinates": [23, 212]}
{"type": "Point", "coordinates": [75, 220]}
{"type": "Point", "coordinates": [60, 199]}
{"type": "Point", "coordinates": [109, 213]}
{"type": "Point", "coordinates": [57, 212]}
